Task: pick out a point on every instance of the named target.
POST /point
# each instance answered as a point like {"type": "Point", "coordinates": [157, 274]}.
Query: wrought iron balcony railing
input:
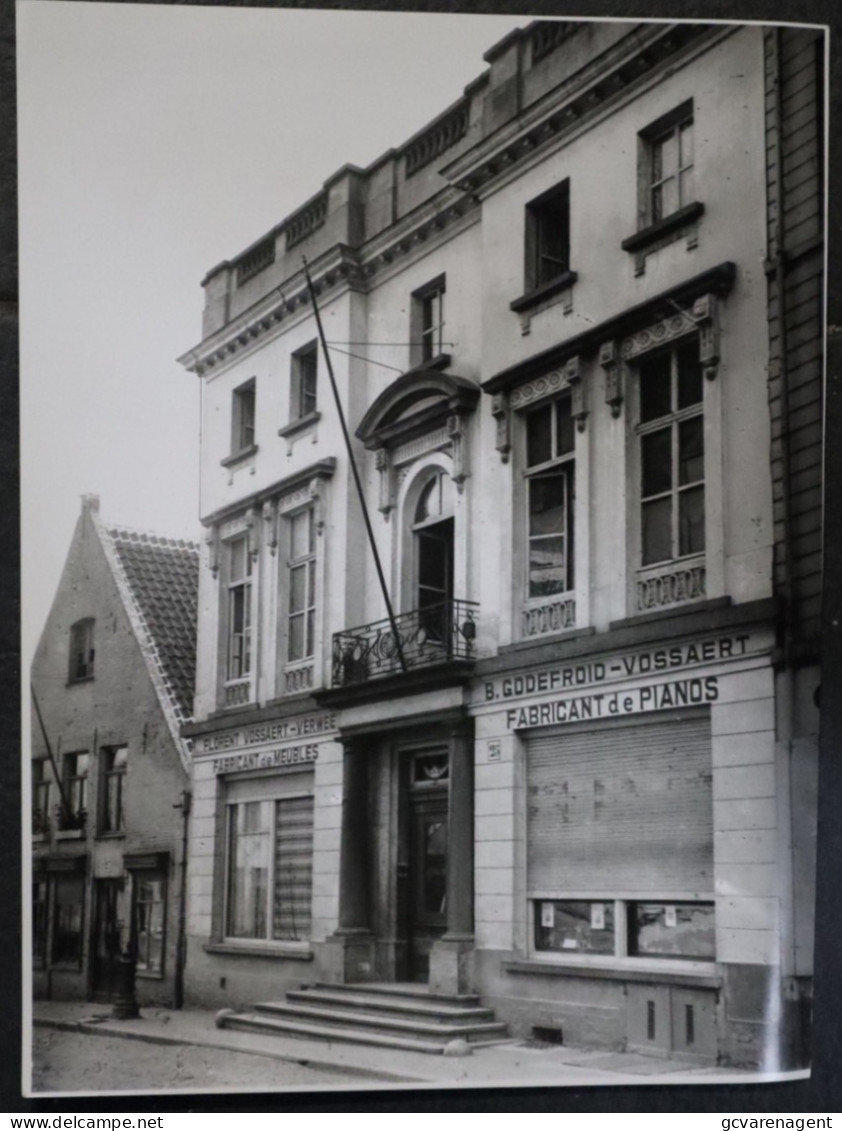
{"type": "Point", "coordinates": [426, 636]}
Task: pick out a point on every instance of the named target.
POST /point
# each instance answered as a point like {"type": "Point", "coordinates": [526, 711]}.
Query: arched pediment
{"type": "Point", "coordinates": [417, 402]}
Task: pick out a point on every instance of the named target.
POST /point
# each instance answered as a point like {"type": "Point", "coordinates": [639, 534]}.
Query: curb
{"type": "Point", "coordinates": [96, 1029]}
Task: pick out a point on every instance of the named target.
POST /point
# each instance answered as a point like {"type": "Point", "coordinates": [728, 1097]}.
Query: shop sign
{"type": "Point", "coordinates": [692, 692]}
{"type": "Point", "coordinates": [283, 757]}
{"type": "Point", "coordinates": [625, 666]}
{"type": "Point", "coordinates": [262, 733]}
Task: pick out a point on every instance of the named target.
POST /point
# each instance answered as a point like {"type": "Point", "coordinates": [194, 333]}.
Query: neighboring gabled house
{"type": "Point", "coordinates": [112, 683]}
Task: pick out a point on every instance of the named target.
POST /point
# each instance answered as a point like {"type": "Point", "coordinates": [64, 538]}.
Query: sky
{"type": "Point", "coordinates": [155, 141]}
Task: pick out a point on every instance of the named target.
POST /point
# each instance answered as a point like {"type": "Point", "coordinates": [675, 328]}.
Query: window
{"type": "Point", "coordinates": [550, 444]}
{"type": "Point", "coordinates": [68, 913]}
{"type": "Point", "coordinates": [82, 650]}
{"type": "Point", "coordinates": [40, 798]}
{"type": "Point", "coordinates": [149, 912]}
{"type": "Point", "coordinates": [684, 930]}
{"type": "Point", "coordinates": [305, 366]}
{"type": "Point", "coordinates": [598, 889]}
{"type": "Point", "coordinates": [270, 864]}
{"type": "Point", "coordinates": [427, 323]}
{"type": "Point", "coordinates": [302, 586]}
{"type": "Point", "coordinates": [75, 774]}
{"type": "Point", "coordinates": [672, 455]}
{"type": "Point", "coordinates": [39, 923]}
{"type": "Point", "coordinates": [548, 237]}
{"type": "Point", "coordinates": [239, 609]}
{"type": "Point", "coordinates": [243, 418]}
{"type": "Point", "coordinates": [672, 930]}
{"type": "Point", "coordinates": [114, 760]}
{"type": "Point", "coordinates": [670, 172]}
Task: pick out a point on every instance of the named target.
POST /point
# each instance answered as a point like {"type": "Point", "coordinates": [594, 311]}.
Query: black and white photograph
{"type": "Point", "coordinates": [422, 469]}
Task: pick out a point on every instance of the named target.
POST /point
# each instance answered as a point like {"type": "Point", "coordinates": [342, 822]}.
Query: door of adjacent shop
{"type": "Point", "coordinates": [426, 909]}
{"type": "Point", "coordinates": [110, 935]}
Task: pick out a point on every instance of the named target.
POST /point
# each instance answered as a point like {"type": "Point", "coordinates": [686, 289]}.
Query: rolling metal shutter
{"type": "Point", "coordinates": [621, 808]}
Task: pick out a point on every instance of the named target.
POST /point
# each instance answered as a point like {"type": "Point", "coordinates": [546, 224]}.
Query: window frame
{"type": "Point", "coordinates": [304, 381]}
{"type": "Point", "coordinates": [559, 463]}
{"type": "Point", "coordinates": [76, 789]}
{"type": "Point", "coordinates": [58, 878]}
{"type": "Point", "coordinates": [107, 773]}
{"type": "Point", "coordinates": [622, 954]}
{"type": "Point", "coordinates": [41, 797]}
{"type": "Point", "coordinates": [307, 563]}
{"type": "Point", "coordinates": [140, 876]}
{"type": "Point", "coordinates": [244, 419]}
{"type": "Point", "coordinates": [540, 214]}
{"type": "Point", "coordinates": [82, 653]}
{"type": "Point", "coordinates": [253, 794]}
{"type": "Point", "coordinates": [427, 323]}
{"type": "Point", "coordinates": [238, 589]}
{"type": "Point", "coordinates": [673, 420]}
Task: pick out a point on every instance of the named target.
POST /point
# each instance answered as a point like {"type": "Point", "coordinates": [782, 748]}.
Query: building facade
{"type": "Point", "coordinates": [538, 722]}
{"type": "Point", "coordinates": [112, 682]}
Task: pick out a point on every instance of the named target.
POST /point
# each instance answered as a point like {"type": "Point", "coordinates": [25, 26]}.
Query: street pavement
{"type": "Point", "coordinates": [347, 1065]}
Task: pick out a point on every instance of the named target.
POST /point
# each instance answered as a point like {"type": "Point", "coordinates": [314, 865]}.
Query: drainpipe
{"type": "Point", "coordinates": [181, 939]}
{"type": "Point", "coordinates": [779, 269]}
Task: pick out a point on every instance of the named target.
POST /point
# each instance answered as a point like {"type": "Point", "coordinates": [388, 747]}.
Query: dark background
{"type": "Point", "coordinates": [823, 1091]}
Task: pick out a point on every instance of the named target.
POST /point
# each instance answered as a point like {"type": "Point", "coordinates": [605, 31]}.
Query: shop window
{"type": "Point", "coordinates": [149, 917]}
{"type": "Point", "coordinates": [303, 383]}
{"type": "Point", "coordinates": [599, 888]}
{"type": "Point", "coordinates": [672, 455]}
{"type": "Point", "coordinates": [40, 798]}
{"type": "Point", "coordinates": [68, 916]}
{"type": "Point", "coordinates": [301, 617]}
{"type": "Point", "coordinates": [243, 409]}
{"type": "Point", "coordinates": [548, 237]}
{"type": "Point", "coordinates": [113, 766]}
{"type": "Point", "coordinates": [238, 664]}
{"type": "Point", "coordinates": [668, 149]}
{"type": "Point", "coordinates": [75, 780]}
{"type": "Point", "coordinates": [427, 324]}
{"type": "Point", "coordinates": [583, 927]}
{"type": "Point", "coordinates": [671, 930]}
{"type": "Point", "coordinates": [81, 650]}
{"type": "Point", "coordinates": [269, 872]}
{"type": "Point", "coordinates": [550, 468]}
{"type": "Point", "coordinates": [39, 924]}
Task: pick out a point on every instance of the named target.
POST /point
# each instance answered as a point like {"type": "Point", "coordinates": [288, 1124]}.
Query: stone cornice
{"type": "Point", "coordinates": [321, 469]}
{"type": "Point", "coordinates": [715, 281]}
{"type": "Point", "coordinates": [340, 267]}
{"type": "Point", "coordinates": [569, 107]}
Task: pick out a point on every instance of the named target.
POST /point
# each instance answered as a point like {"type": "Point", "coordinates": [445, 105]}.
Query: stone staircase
{"type": "Point", "coordinates": [394, 1015]}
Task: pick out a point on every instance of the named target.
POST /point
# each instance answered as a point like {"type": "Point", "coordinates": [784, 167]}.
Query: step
{"type": "Point", "coordinates": [468, 1031]}
{"type": "Point", "coordinates": [255, 1023]}
{"type": "Point", "coordinates": [395, 989]}
{"type": "Point", "coordinates": [410, 1006]}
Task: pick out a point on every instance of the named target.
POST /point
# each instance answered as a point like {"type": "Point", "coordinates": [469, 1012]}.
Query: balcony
{"type": "Point", "coordinates": [423, 638]}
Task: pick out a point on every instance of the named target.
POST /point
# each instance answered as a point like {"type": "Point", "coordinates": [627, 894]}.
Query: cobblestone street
{"type": "Point", "coordinates": [67, 1062]}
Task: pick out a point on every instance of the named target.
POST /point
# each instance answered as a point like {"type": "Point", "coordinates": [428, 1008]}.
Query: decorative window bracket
{"type": "Point", "coordinates": [383, 462]}
{"type": "Point", "coordinates": [573, 373]}
{"type": "Point", "coordinates": [458, 450]}
{"type": "Point", "coordinates": [501, 412]}
{"type": "Point", "coordinates": [612, 363]}
{"type": "Point", "coordinates": [270, 519]}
